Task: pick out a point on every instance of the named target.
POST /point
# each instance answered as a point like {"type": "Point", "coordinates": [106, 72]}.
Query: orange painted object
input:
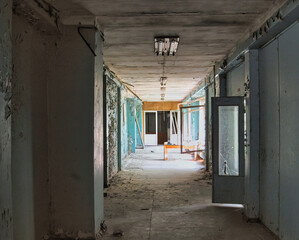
{"type": "Point", "coordinates": [166, 147]}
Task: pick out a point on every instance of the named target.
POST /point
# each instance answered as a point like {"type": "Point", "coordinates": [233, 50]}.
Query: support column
{"type": "Point", "coordinates": [119, 127]}
{"type": "Point", "coordinates": [99, 142]}
{"type": "Point", "coordinates": [105, 152]}
{"type": "Point", "coordinates": [76, 135]}
{"type": "Point", "coordinates": [251, 136]}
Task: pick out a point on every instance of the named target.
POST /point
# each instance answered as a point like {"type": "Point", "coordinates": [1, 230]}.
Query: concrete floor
{"type": "Point", "coordinates": [161, 200]}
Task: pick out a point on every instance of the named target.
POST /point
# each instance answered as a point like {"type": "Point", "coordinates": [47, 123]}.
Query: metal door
{"type": "Point", "coordinates": [228, 149]}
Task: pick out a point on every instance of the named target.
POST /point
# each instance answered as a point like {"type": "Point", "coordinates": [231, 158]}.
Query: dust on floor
{"type": "Point", "coordinates": [160, 200]}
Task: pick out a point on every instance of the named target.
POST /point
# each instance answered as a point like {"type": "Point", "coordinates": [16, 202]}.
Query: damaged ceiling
{"type": "Point", "coordinates": [208, 32]}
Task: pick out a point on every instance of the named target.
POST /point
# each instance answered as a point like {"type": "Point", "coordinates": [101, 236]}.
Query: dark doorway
{"type": "Point", "coordinates": [163, 126]}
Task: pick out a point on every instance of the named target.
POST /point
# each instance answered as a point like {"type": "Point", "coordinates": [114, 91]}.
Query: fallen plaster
{"type": "Point", "coordinates": [78, 235]}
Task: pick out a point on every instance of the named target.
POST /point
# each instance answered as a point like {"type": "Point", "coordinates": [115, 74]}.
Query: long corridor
{"type": "Point", "coordinates": [160, 200]}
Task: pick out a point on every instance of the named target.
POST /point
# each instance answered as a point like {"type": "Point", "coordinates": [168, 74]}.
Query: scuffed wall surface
{"type": "Point", "coordinates": [235, 81]}
{"type": "Point", "coordinates": [289, 133]}
{"type": "Point", "coordinates": [112, 127]}
{"type": "Point", "coordinates": [71, 135]}
{"type": "Point", "coordinates": [6, 221]}
{"type": "Point", "coordinates": [61, 194]}
{"type": "Point", "coordinates": [98, 136]}
{"type": "Point", "coordinates": [269, 136]}
{"type": "Point", "coordinates": [279, 133]}
{"type": "Point", "coordinates": [29, 130]}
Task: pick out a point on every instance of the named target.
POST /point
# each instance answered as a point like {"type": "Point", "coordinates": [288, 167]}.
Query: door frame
{"type": "Point", "coordinates": [145, 135]}
{"type": "Point", "coordinates": [174, 137]}
{"type": "Point", "coordinates": [182, 125]}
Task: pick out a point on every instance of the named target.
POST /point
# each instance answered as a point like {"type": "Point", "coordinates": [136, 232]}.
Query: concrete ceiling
{"type": "Point", "coordinates": [208, 31]}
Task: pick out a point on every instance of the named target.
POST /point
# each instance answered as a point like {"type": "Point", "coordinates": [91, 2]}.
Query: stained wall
{"type": "Point", "coordinates": [6, 222]}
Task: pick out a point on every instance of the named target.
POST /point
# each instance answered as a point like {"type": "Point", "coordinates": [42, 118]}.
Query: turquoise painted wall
{"type": "Point", "coordinates": [132, 136]}
{"type": "Point", "coordinates": [129, 133]}
{"type": "Point", "coordinates": [139, 117]}
{"type": "Point", "coordinates": [124, 128]}
{"type": "Point", "coordinates": [131, 125]}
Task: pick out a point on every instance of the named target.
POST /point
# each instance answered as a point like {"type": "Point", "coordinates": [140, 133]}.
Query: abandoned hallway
{"type": "Point", "coordinates": [149, 119]}
{"type": "Point", "coordinates": [171, 200]}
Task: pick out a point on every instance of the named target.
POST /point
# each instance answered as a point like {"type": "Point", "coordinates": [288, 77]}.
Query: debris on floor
{"type": "Point", "coordinates": [118, 233]}
{"type": "Point", "coordinates": [170, 200]}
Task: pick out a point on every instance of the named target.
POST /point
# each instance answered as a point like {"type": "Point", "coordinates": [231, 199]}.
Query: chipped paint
{"type": "Point", "coordinates": [112, 127]}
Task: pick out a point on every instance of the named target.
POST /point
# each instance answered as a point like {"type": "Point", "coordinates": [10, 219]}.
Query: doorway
{"type": "Point", "coordinates": [163, 126]}
{"type": "Point", "coordinates": [157, 127]}
{"type": "Point", "coordinates": [151, 128]}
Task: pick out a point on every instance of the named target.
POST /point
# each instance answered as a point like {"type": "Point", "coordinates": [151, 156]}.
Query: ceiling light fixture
{"type": "Point", "coordinates": [163, 89]}
{"type": "Point", "coordinates": [163, 81]}
{"type": "Point", "coordinates": [166, 45]}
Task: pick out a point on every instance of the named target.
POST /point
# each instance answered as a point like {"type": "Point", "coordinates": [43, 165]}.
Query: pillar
{"type": "Point", "coordinates": [251, 201]}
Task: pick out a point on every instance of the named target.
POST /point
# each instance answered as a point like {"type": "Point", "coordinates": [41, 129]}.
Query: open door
{"type": "Point", "coordinates": [151, 128]}
{"type": "Point", "coordinates": [174, 127]}
{"type": "Point", "coordinates": [228, 149]}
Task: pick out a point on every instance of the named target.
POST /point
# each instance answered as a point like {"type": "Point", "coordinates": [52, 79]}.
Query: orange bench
{"type": "Point", "coordinates": [167, 146]}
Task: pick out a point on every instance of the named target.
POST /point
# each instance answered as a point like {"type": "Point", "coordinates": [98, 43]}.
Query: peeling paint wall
{"type": "Point", "coordinates": [57, 132]}
{"type": "Point", "coordinates": [131, 125]}
{"type": "Point", "coordinates": [6, 221]}
{"type": "Point", "coordinates": [124, 126]}
{"type": "Point", "coordinates": [112, 127]}
{"type": "Point", "coordinates": [129, 131]}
